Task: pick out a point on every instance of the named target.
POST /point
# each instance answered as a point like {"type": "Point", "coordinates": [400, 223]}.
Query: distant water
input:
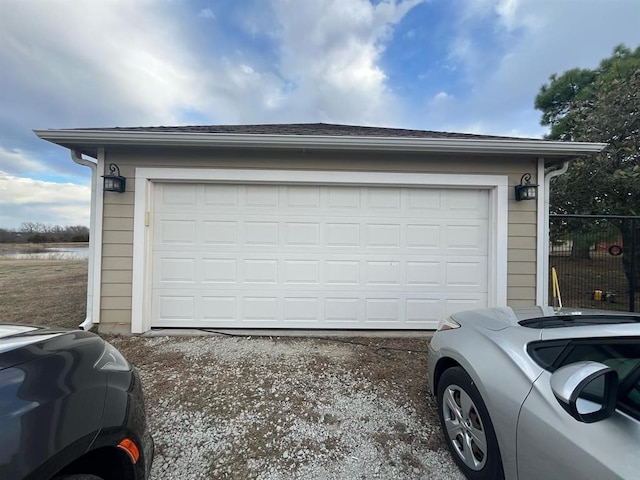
{"type": "Point", "coordinates": [52, 253]}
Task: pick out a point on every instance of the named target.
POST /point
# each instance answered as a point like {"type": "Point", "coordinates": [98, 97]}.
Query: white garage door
{"type": "Point", "coordinates": [349, 257]}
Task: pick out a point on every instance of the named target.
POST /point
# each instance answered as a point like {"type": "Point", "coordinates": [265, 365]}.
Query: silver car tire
{"type": "Point", "coordinates": [467, 427]}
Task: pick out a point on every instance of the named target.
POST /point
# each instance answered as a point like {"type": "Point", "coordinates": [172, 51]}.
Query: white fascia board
{"type": "Point", "coordinates": [97, 138]}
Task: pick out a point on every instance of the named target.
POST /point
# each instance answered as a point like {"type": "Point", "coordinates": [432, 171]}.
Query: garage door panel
{"type": "Point", "coordinates": [420, 201]}
{"type": "Point", "coordinates": [179, 195]}
{"type": "Point", "coordinates": [342, 310]}
{"type": "Point", "coordinates": [469, 238]}
{"type": "Point", "coordinates": [176, 270]}
{"type": "Point", "coordinates": [469, 275]}
{"type": "Point", "coordinates": [302, 197]}
{"type": "Point", "coordinates": [343, 198]}
{"type": "Point", "coordinates": [260, 271]}
{"type": "Point", "coordinates": [421, 310]}
{"type": "Point", "coordinates": [465, 200]}
{"type": "Point", "coordinates": [316, 256]}
{"type": "Point", "coordinates": [297, 272]}
{"type": "Point", "coordinates": [260, 233]}
{"type": "Point", "coordinates": [382, 310]}
{"type": "Point", "coordinates": [382, 273]}
{"type": "Point", "coordinates": [174, 232]}
{"type": "Point", "coordinates": [260, 309]}
{"type": "Point", "coordinates": [219, 308]}
{"type": "Point", "coordinates": [382, 235]}
{"type": "Point", "coordinates": [226, 196]}
{"type": "Point", "coordinates": [218, 233]}
{"type": "Point", "coordinates": [423, 273]}
{"type": "Point", "coordinates": [342, 272]}
{"type": "Point", "coordinates": [342, 235]}
{"type": "Point", "coordinates": [219, 270]}
{"type": "Point", "coordinates": [423, 236]}
{"type": "Point", "coordinates": [301, 234]}
{"type": "Point", "coordinates": [306, 309]}
{"type": "Point", "coordinates": [174, 307]}
{"type": "Point", "coordinates": [382, 200]}
{"type": "Point", "coordinates": [261, 196]}
{"type": "Point", "coordinates": [371, 271]}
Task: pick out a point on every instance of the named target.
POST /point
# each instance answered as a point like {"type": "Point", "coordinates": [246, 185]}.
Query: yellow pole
{"type": "Point", "coordinates": [557, 298]}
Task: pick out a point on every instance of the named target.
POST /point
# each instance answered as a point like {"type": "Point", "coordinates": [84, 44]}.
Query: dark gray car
{"type": "Point", "coordinates": [71, 407]}
{"type": "Point", "coordinates": [532, 394]}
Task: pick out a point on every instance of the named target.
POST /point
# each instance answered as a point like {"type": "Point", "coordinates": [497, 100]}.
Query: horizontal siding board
{"type": "Point", "coordinates": [118, 224]}
{"type": "Point", "coordinates": [520, 293]}
{"type": "Point", "coordinates": [514, 255]}
{"type": "Point", "coordinates": [118, 237]}
{"type": "Point", "coordinates": [521, 268]}
{"type": "Point", "coordinates": [522, 243]}
{"type": "Point", "coordinates": [116, 290]}
{"type": "Point", "coordinates": [522, 281]}
{"type": "Point", "coordinates": [117, 250]}
{"type": "Point", "coordinates": [117, 263]}
{"type": "Point", "coordinates": [522, 230]}
{"type": "Point", "coordinates": [116, 303]}
{"type": "Point", "coordinates": [116, 276]}
{"type": "Point", "coordinates": [521, 217]}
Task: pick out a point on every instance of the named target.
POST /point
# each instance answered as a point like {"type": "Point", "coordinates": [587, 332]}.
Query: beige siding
{"type": "Point", "coordinates": [521, 294]}
{"type": "Point", "coordinates": [117, 224]}
{"type": "Point", "coordinates": [115, 321]}
{"type": "Point", "coordinates": [116, 290]}
{"type": "Point", "coordinates": [118, 208]}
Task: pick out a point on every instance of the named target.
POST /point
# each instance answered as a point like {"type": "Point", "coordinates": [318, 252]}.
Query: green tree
{"type": "Point", "coordinates": [600, 105]}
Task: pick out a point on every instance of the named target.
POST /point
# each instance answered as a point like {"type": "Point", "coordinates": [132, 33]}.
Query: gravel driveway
{"type": "Point", "coordinates": [289, 408]}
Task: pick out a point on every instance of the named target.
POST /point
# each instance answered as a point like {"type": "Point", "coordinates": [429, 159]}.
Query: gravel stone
{"type": "Point", "coordinates": [271, 408]}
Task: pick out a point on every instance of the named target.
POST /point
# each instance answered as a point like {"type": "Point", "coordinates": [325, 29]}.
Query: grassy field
{"type": "Point", "coordinates": [43, 292]}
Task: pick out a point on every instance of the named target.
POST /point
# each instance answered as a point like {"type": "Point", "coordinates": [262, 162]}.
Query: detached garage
{"type": "Point", "coordinates": [310, 226]}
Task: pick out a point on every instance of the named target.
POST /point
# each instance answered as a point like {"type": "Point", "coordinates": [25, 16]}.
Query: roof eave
{"type": "Point", "coordinates": [89, 139]}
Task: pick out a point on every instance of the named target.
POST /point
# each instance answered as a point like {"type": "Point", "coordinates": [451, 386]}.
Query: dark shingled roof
{"type": "Point", "coordinates": [309, 129]}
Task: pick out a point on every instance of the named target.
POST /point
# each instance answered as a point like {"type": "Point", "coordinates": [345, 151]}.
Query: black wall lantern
{"type": "Point", "coordinates": [526, 190]}
{"type": "Point", "coordinates": [114, 182]}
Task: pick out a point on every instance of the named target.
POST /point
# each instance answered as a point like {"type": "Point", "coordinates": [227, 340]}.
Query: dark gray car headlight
{"type": "Point", "coordinates": [112, 360]}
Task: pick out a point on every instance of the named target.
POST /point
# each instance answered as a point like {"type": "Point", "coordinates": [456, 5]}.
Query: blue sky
{"type": "Point", "coordinates": [452, 65]}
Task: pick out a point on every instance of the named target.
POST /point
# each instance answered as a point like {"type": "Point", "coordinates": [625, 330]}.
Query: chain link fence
{"type": "Point", "coordinates": [596, 260]}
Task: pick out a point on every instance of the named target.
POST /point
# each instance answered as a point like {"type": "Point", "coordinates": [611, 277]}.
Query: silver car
{"type": "Point", "coordinates": [534, 394]}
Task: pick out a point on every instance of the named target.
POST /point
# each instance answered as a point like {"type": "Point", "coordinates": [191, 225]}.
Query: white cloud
{"type": "Point", "coordinates": [116, 59]}
{"type": "Point", "coordinates": [330, 51]}
{"type": "Point", "coordinates": [25, 199]}
{"type": "Point", "coordinates": [19, 162]}
{"type": "Point", "coordinates": [441, 97]}
{"type": "Point", "coordinates": [504, 50]}
{"type": "Point", "coordinates": [207, 13]}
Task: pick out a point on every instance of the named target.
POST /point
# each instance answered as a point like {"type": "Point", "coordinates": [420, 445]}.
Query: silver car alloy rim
{"type": "Point", "coordinates": [464, 427]}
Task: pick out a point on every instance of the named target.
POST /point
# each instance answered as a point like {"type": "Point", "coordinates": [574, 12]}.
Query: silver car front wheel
{"type": "Point", "coordinates": [467, 426]}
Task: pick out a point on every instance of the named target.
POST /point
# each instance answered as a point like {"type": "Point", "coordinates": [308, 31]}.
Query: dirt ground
{"type": "Point", "coordinates": [239, 407]}
{"type": "Point", "coordinates": [43, 292]}
{"type": "Point", "coordinates": [289, 408]}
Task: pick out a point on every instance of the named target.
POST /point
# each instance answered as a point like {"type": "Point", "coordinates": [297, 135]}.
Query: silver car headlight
{"type": "Point", "coordinates": [447, 323]}
{"type": "Point", "coordinates": [112, 360]}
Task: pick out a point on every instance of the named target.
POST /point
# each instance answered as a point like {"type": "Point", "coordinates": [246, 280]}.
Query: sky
{"type": "Point", "coordinates": [472, 66]}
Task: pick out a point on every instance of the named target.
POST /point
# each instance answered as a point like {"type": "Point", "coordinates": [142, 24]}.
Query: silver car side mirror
{"type": "Point", "coordinates": [586, 390]}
